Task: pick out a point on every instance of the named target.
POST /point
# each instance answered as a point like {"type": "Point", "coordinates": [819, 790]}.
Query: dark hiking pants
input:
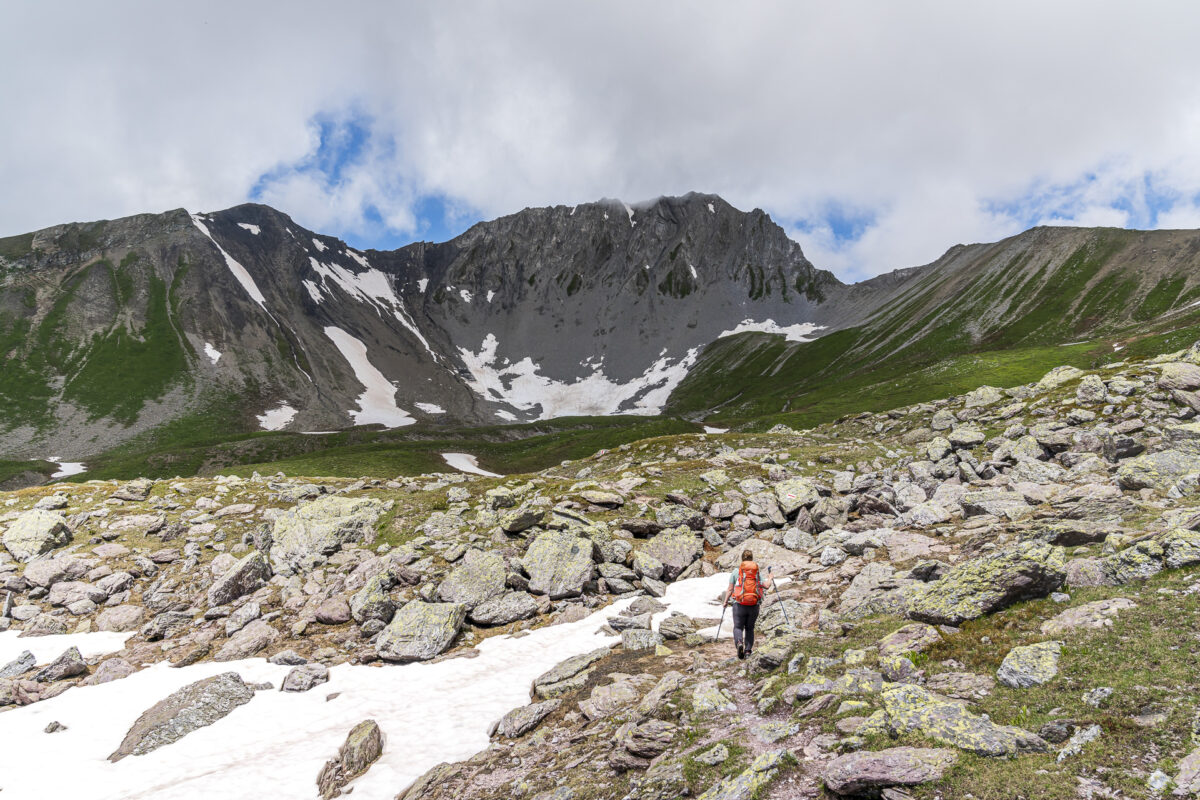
{"type": "Point", "coordinates": [744, 618]}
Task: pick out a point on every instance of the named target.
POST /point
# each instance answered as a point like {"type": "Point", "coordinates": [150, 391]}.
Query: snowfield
{"type": "Point", "coordinates": [376, 405]}
{"type": "Point", "coordinates": [465, 462]}
{"type": "Point", "coordinates": [275, 745]}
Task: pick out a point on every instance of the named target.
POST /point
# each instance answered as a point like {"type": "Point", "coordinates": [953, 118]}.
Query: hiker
{"type": "Point", "coordinates": [746, 589]}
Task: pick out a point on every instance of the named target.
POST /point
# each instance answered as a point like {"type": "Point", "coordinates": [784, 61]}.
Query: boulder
{"type": "Point", "coordinates": [304, 536]}
{"type": "Point", "coordinates": [1030, 665]}
{"type": "Point", "coordinates": [504, 609]}
{"type": "Point", "coordinates": [983, 396]}
{"type": "Point", "coordinates": [1136, 562]}
{"type": "Point", "coordinates": [913, 638]}
{"type": "Point", "coordinates": [114, 669]}
{"type": "Point", "coordinates": [555, 680]}
{"type": "Point", "coordinates": [1179, 375]}
{"type": "Point", "coordinates": [781, 560]}
{"type": "Point", "coordinates": [1159, 471]}
{"type": "Point", "coordinates": [708, 697]}
{"type": "Point", "coordinates": [195, 706]}
{"type": "Point", "coordinates": [372, 602]}
{"type": "Point", "coordinates": [1094, 615]}
{"type": "Point", "coordinates": [908, 708]}
{"type": "Point", "coordinates": [363, 746]}
{"type": "Point", "coordinates": [989, 583]}
{"type": "Point", "coordinates": [247, 575]}
{"type": "Point", "coordinates": [334, 611]}
{"type": "Point", "coordinates": [120, 618]}
{"type": "Point", "coordinates": [633, 639]}
{"type": "Point", "coordinates": [997, 502]}
{"type": "Point", "coordinates": [49, 571]}
{"type": "Point", "coordinates": [1091, 390]}
{"type": "Point", "coordinates": [795, 493]}
{"type": "Point", "coordinates": [1057, 377]}
{"type": "Point", "coordinates": [674, 516]}
{"type": "Point", "coordinates": [867, 771]}
{"type": "Point", "coordinates": [68, 665]}
{"type": "Point", "coordinates": [559, 564]}
{"type": "Point", "coordinates": [649, 739]}
{"type": "Point", "coordinates": [522, 519]}
{"type": "Point", "coordinates": [166, 625]}
{"type": "Point", "coordinates": [522, 720]}
{"type": "Point", "coordinates": [35, 533]}
{"type": "Point", "coordinates": [966, 437]}
{"type": "Point", "coordinates": [19, 665]}
{"type": "Point", "coordinates": [419, 631]}
{"type": "Point", "coordinates": [479, 577]}
{"type": "Point", "coordinates": [751, 782]}
{"type": "Point", "coordinates": [249, 641]}
{"type": "Point", "coordinates": [675, 549]}
{"type": "Point", "coordinates": [604, 701]}
{"type": "Point", "coordinates": [1181, 547]}
{"type": "Point", "coordinates": [305, 677]}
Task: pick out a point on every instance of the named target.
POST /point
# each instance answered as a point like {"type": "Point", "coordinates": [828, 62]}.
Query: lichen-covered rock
{"type": "Point", "coordinates": [35, 533]}
{"type": "Point", "coordinates": [1179, 375]}
{"type": "Point", "coordinates": [521, 519]}
{"type": "Point", "coordinates": [912, 638]}
{"type": "Point", "coordinates": [908, 708]}
{"type": "Point", "coordinates": [371, 602]}
{"type": "Point", "coordinates": [997, 502]}
{"type": "Point", "coordinates": [983, 396]}
{"type": "Point", "coordinates": [521, 720]}
{"type": "Point", "coordinates": [708, 697]}
{"type": "Point", "coordinates": [986, 584]}
{"type": "Point", "coordinates": [249, 641]}
{"type": "Point", "coordinates": [1160, 470]}
{"type": "Point", "coordinates": [560, 678]}
{"type": "Point", "coordinates": [966, 437]}
{"type": "Point", "coordinates": [1181, 548]}
{"type": "Point", "coordinates": [195, 706]}
{"type": "Point", "coordinates": [362, 748]}
{"type": "Point", "coordinates": [419, 631]}
{"type": "Point", "coordinates": [1093, 615]}
{"type": "Point", "coordinates": [674, 516]}
{"type": "Point", "coordinates": [649, 739]}
{"type": "Point", "coordinates": [1057, 377]}
{"type": "Point", "coordinates": [1091, 390]}
{"type": "Point", "coordinates": [751, 782]}
{"type": "Point", "coordinates": [478, 578]}
{"type": "Point", "coordinates": [68, 665]}
{"type": "Point", "coordinates": [304, 536]}
{"type": "Point", "coordinates": [504, 609]}
{"type": "Point", "coordinates": [856, 773]}
{"type": "Point", "coordinates": [1136, 562]}
{"type": "Point", "coordinates": [248, 575]}
{"type": "Point", "coordinates": [559, 563]}
{"type": "Point", "coordinates": [1030, 665]}
{"type": "Point", "coordinates": [794, 494]}
{"type": "Point", "coordinates": [604, 701]}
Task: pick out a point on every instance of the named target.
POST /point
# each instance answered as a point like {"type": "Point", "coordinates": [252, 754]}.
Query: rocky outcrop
{"type": "Point", "coordinates": [419, 631]}
{"type": "Point", "coordinates": [860, 773]}
{"type": "Point", "coordinates": [36, 533]}
{"type": "Point", "coordinates": [247, 575]}
{"type": "Point", "coordinates": [303, 537]}
{"type": "Point", "coordinates": [558, 564]}
{"type": "Point", "coordinates": [363, 746]}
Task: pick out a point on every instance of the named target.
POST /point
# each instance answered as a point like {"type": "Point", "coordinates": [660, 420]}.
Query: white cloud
{"type": "Point", "coordinates": [931, 116]}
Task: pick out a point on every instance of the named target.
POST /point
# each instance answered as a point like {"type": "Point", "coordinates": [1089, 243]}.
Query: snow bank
{"type": "Point", "coordinates": [520, 385]}
{"type": "Point", "coordinates": [252, 228]}
{"type": "Point", "coordinates": [276, 419]}
{"type": "Point", "coordinates": [370, 286]}
{"type": "Point", "coordinates": [465, 462]}
{"type": "Point", "coordinates": [239, 272]}
{"type": "Point", "coordinates": [214, 355]}
{"type": "Point", "coordinates": [793, 333]}
{"type": "Point", "coordinates": [275, 745]}
{"type": "Point", "coordinates": [47, 648]}
{"type": "Point", "coordinates": [711, 429]}
{"type": "Point", "coordinates": [377, 405]}
{"type": "Point", "coordinates": [67, 468]}
{"type": "Point", "coordinates": [430, 408]}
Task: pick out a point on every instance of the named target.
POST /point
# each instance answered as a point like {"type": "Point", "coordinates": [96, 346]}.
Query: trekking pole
{"type": "Point", "coordinates": [779, 600]}
{"type": "Point", "coordinates": [717, 638]}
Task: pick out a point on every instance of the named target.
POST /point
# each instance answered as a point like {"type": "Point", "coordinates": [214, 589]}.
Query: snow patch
{"type": "Point", "coordinates": [214, 355]}
{"type": "Point", "coordinates": [793, 333]}
{"type": "Point", "coordinates": [422, 284]}
{"type": "Point", "coordinates": [465, 294]}
{"type": "Point", "coordinates": [239, 272]}
{"type": "Point", "coordinates": [370, 286]}
{"type": "Point", "coordinates": [430, 408]}
{"type": "Point", "coordinates": [65, 470]}
{"type": "Point", "coordinates": [693, 270]}
{"type": "Point", "coordinates": [629, 211]}
{"type": "Point", "coordinates": [506, 415]}
{"type": "Point", "coordinates": [520, 385]}
{"type": "Point", "coordinates": [490, 295]}
{"type": "Point", "coordinates": [465, 462]}
{"type": "Point", "coordinates": [377, 405]}
{"type": "Point", "coordinates": [47, 648]}
{"type": "Point", "coordinates": [711, 210]}
{"type": "Point", "coordinates": [360, 258]}
{"type": "Point", "coordinates": [313, 291]}
{"type": "Point", "coordinates": [252, 228]}
{"type": "Point", "coordinates": [275, 745]}
{"type": "Point", "coordinates": [711, 429]}
{"type": "Point", "coordinates": [276, 419]}
{"type": "Point", "coordinates": [317, 243]}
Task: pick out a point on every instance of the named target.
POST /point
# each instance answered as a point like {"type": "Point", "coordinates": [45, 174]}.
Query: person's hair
{"type": "Point", "coordinates": [747, 555]}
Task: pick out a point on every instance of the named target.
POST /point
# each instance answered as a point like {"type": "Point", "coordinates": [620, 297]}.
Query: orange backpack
{"type": "Point", "coordinates": [748, 590]}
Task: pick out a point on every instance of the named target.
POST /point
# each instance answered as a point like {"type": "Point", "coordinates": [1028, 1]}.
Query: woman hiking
{"type": "Point", "coordinates": [746, 589]}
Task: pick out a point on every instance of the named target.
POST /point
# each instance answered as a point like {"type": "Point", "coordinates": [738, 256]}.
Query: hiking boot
{"type": "Point", "coordinates": [741, 651]}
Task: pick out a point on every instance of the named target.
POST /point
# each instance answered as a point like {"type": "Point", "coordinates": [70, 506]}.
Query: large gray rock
{"type": "Point", "coordinates": [521, 720]}
{"type": "Point", "coordinates": [35, 533]}
{"type": "Point", "coordinates": [857, 773]}
{"type": "Point", "coordinates": [249, 641]}
{"type": "Point", "coordinates": [305, 677]}
{"type": "Point", "coordinates": [419, 631]}
{"type": "Point", "coordinates": [120, 618]}
{"type": "Point", "coordinates": [362, 748]}
{"type": "Point", "coordinates": [559, 563]}
{"type": "Point", "coordinates": [795, 493]}
{"type": "Point", "coordinates": [982, 585]}
{"type": "Point", "coordinates": [505, 609]}
{"type": "Point", "coordinates": [195, 706]}
{"type": "Point", "coordinates": [1030, 665]}
{"type": "Point", "coordinates": [781, 560]}
{"type": "Point", "coordinates": [1160, 470]}
{"type": "Point", "coordinates": [751, 782]}
{"type": "Point", "coordinates": [556, 680]}
{"type": "Point", "coordinates": [912, 709]}
{"type": "Point", "coordinates": [1179, 375]}
{"type": "Point", "coordinates": [248, 575]}
{"type": "Point", "coordinates": [479, 578]}
{"type": "Point", "coordinates": [19, 665]}
{"type": "Point", "coordinates": [68, 665]}
{"type": "Point", "coordinates": [304, 536]}
{"type": "Point", "coordinates": [1095, 615]}
{"type": "Point", "coordinates": [372, 601]}
{"type": "Point", "coordinates": [1000, 503]}
{"type": "Point", "coordinates": [675, 549]}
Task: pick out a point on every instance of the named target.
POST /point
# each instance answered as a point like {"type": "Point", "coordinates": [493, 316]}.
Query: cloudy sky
{"type": "Point", "coordinates": [878, 134]}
